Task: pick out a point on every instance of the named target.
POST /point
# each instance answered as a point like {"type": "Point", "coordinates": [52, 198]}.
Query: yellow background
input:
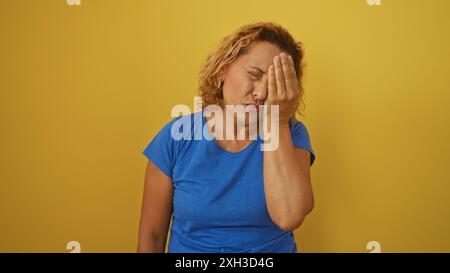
{"type": "Point", "coordinates": [85, 88]}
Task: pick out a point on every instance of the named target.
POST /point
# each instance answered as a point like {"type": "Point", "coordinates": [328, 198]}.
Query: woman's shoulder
{"type": "Point", "coordinates": [171, 141]}
{"type": "Point", "coordinates": [296, 124]}
{"type": "Point", "coordinates": [185, 127]}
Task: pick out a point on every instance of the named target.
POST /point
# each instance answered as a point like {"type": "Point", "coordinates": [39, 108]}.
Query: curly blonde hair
{"type": "Point", "coordinates": [237, 43]}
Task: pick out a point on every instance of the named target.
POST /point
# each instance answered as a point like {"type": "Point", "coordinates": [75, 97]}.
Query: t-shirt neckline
{"type": "Point", "coordinates": [213, 140]}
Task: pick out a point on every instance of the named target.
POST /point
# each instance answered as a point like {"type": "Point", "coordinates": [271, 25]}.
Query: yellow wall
{"type": "Point", "coordinates": [84, 89]}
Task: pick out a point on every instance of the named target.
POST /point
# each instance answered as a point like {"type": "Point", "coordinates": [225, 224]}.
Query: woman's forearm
{"type": "Point", "coordinates": [287, 183]}
{"type": "Point", "coordinates": [151, 243]}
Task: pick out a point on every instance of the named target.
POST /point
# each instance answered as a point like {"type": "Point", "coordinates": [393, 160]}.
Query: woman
{"type": "Point", "coordinates": [228, 195]}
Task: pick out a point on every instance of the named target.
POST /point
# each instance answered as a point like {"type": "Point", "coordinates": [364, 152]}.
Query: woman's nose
{"type": "Point", "coordinates": [260, 92]}
{"type": "Point", "coordinates": [257, 97]}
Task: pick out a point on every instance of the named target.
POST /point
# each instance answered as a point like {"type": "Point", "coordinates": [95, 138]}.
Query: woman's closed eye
{"type": "Point", "coordinates": [254, 75]}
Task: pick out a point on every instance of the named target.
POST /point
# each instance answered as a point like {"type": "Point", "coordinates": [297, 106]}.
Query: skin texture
{"type": "Point", "coordinates": [263, 75]}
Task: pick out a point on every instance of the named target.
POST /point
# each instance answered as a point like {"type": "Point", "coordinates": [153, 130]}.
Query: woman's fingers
{"type": "Point", "coordinates": [293, 78]}
{"type": "Point", "coordinates": [271, 84]}
{"type": "Point", "coordinates": [282, 78]}
{"type": "Point", "coordinates": [287, 73]}
{"type": "Point", "coordinates": [281, 86]}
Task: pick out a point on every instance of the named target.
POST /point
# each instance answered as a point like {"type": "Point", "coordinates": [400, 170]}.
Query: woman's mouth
{"type": "Point", "coordinates": [251, 107]}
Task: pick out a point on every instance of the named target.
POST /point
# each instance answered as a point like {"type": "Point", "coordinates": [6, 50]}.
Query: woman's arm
{"type": "Point", "coordinates": [156, 210]}
{"type": "Point", "coordinates": [287, 180]}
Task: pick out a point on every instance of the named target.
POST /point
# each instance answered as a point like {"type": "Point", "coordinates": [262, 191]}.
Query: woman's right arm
{"type": "Point", "coordinates": [156, 210]}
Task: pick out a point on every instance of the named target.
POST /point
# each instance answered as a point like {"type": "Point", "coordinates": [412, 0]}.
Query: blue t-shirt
{"type": "Point", "coordinates": [218, 196]}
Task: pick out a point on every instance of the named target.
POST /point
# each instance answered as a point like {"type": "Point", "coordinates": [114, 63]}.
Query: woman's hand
{"type": "Point", "coordinates": [282, 87]}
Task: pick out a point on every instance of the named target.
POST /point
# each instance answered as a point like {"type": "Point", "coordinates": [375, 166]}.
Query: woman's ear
{"type": "Point", "coordinates": [223, 73]}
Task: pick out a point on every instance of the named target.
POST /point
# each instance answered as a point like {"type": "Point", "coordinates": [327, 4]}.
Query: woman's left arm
{"type": "Point", "coordinates": [287, 179]}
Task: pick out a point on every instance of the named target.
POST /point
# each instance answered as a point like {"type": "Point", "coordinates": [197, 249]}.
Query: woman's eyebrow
{"type": "Point", "coordinates": [259, 69]}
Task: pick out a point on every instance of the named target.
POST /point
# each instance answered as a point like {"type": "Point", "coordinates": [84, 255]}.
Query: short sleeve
{"type": "Point", "coordinates": [301, 139]}
{"type": "Point", "coordinates": [162, 150]}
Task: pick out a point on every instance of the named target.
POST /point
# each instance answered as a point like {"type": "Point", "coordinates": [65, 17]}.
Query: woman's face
{"type": "Point", "coordinates": [245, 80]}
